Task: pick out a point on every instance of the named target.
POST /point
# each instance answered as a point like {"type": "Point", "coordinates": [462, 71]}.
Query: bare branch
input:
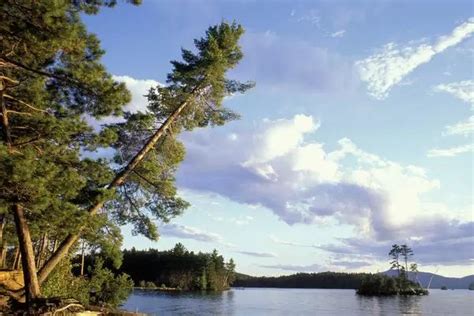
{"type": "Point", "coordinates": [24, 103]}
{"type": "Point", "coordinates": [19, 113]}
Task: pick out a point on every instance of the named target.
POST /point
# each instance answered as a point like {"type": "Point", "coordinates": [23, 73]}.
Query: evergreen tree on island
{"type": "Point", "coordinates": [380, 284]}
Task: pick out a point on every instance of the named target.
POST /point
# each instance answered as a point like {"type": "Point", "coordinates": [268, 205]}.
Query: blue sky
{"type": "Point", "coordinates": [358, 133]}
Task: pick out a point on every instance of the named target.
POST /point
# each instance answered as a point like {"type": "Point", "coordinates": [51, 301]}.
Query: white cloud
{"type": "Point", "coordinates": [465, 128]}
{"type": "Point", "coordinates": [312, 17]}
{"type": "Point", "coordinates": [296, 268]}
{"type": "Point", "coordinates": [383, 200]}
{"type": "Point", "coordinates": [257, 254]}
{"type": "Point", "coordinates": [305, 183]}
{"type": "Point", "coordinates": [463, 90]}
{"type": "Point", "coordinates": [387, 67]}
{"type": "Point", "coordinates": [451, 152]}
{"type": "Point", "coordinates": [187, 232]}
{"type": "Point", "coordinates": [339, 33]}
{"type": "Point", "coordinates": [138, 89]}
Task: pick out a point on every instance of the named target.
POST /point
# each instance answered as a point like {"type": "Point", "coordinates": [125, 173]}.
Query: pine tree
{"type": "Point", "coordinates": [395, 255]}
{"type": "Point", "coordinates": [406, 252]}
{"type": "Point", "coordinates": [50, 75]}
{"type": "Point", "coordinates": [146, 141]}
{"type": "Point", "coordinates": [50, 79]}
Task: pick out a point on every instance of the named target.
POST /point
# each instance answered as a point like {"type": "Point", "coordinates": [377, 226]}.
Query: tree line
{"type": "Point", "coordinates": [323, 280]}
{"type": "Point", "coordinates": [178, 268]}
{"type": "Point", "coordinates": [55, 198]}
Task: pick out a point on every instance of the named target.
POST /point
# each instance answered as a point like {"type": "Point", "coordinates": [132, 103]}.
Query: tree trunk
{"type": "Point", "coordinates": [43, 245]}
{"type": "Point", "coordinates": [3, 255]}
{"type": "Point", "coordinates": [32, 288]}
{"type": "Point", "coordinates": [2, 226]}
{"type": "Point", "coordinates": [2, 242]}
{"type": "Point", "coordinates": [82, 257]}
{"type": "Point", "coordinates": [16, 258]}
{"type": "Point", "coordinates": [119, 179]}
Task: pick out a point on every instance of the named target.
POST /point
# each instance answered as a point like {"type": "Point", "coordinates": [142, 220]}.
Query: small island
{"type": "Point", "coordinates": [384, 285]}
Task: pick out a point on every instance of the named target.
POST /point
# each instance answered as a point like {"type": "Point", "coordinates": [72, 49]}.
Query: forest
{"type": "Point", "coordinates": [322, 280]}
{"type": "Point", "coordinates": [178, 268]}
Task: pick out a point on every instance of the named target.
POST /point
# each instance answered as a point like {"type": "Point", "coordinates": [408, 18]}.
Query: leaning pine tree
{"type": "Point", "coordinates": [192, 98]}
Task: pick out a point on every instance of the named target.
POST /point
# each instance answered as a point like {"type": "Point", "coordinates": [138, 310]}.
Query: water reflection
{"type": "Point", "coordinates": [298, 302]}
{"type": "Point", "coordinates": [409, 305]}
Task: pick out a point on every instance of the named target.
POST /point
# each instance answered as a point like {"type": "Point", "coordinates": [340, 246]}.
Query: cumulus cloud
{"type": "Point", "coordinates": [451, 152]}
{"type": "Point", "coordinates": [463, 90]}
{"type": "Point", "coordinates": [187, 232]}
{"type": "Point", "coordinates": [296, 268]}
{"type": "Point", "coordinates": [300, 181]}
{"type": "Point", "coordinates": [388, 66]}
{"type": "Point", "coordinates": [138, 89]}
{"type": "Point", "coordinates": [464, 128]}
{"type": "Point", "coordinates": [257, 254]}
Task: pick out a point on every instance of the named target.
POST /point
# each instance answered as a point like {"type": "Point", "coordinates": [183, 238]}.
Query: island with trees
{"type": "Point", "coordinates": [382, 285]}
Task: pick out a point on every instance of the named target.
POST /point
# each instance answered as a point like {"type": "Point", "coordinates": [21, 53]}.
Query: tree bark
{"type": "Point", "coordinates": [32, 287]}
{"type": "Point", "coordinates": [82, 258]}
{"type": "Point", "coordinates": [43, 245]}
{"type": "Point", "coordinates": [16, 258]}
{"type": "Point", "coordinates": [3, 255]}
{"type": "Point", "coordinates": [119, 179]}
{"type": "Point", "coordinates": [2, 242]}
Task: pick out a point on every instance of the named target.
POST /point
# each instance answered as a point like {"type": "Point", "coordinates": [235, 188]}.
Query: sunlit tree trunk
{"type": "Point", "coordinates": [32, 288]}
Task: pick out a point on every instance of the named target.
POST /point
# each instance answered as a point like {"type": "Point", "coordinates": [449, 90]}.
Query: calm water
{"type": "Point", "coordinates": [266, 301]}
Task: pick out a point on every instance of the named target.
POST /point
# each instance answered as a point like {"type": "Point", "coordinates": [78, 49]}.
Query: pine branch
{"type": "Point", "coordinates": [24, 103]}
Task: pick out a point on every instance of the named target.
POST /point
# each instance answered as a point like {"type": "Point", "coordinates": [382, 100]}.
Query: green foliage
{"type": "Point", "coordinates": [379, 284]}
{"type": "Point", "coordinates": [108, 288]}
{"type": "Point", "coordinates": [199, 82]}
{"type": "Point", "coordinates": [62, 283]}
{"type": "Point", "coordinates": [51, 69]}
{"type": "Point", "coordinates": [382, 285]}
{"type": "Point", "coordinates": [47, 49]}
{"type": "Point", "coordinates": [179, 268]}
{"type": "Point", "coordinates": [102, 287]}
{"type": "Point", "coordinates": [323, 280]}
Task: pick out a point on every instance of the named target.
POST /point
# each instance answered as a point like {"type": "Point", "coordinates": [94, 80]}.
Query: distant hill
{"type": "Point", "coordinates": [336, 280]}
{"type": "Point", "coordinates": [438, 280]}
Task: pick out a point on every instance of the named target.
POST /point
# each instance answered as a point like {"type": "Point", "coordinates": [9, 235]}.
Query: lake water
{"type": "Point", "coordinates": [266, 301]}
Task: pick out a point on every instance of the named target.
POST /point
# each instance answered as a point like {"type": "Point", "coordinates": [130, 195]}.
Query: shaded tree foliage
{"type": "Point", "coordinates": [323, 280]}
{"type": "Point", "coordinates": [178, 268]}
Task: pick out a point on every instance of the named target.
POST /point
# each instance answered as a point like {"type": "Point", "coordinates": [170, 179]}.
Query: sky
{"type": "Point", "coordinates": [358, 134]}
